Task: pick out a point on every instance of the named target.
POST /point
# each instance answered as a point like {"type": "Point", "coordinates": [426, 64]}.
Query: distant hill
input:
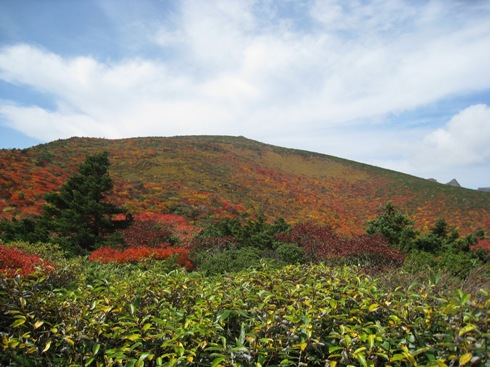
{"type": "Point", "coordinates": [210, 177]}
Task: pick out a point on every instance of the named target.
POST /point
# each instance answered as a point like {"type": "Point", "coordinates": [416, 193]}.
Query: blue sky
{"type": "Point", "coordinates": [399, 84]}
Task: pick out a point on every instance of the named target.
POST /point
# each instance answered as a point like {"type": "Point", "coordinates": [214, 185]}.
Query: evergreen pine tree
{"type": "Point", "coordinates": [395, 227]}
{"type": "Point", "coordinates": [79, 215]}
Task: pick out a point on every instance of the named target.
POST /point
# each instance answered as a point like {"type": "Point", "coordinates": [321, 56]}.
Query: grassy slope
{"type": "Point", "coordinates": [206, 177]}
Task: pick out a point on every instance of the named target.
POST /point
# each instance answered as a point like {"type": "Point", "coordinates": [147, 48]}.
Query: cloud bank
{"type": "Point", "coordinates": [327, 76]}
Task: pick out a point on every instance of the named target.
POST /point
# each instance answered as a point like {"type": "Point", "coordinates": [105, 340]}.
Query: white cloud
{"type": "Point", "coordinates": [246, 68]}
{"type": "Point", "coordinates": [463, 141]}
{"type": "Point", "coordinates": [459, 149]}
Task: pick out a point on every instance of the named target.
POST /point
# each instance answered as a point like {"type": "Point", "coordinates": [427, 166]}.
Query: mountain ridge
{"type": "Point", "coordinates": [210, 177]}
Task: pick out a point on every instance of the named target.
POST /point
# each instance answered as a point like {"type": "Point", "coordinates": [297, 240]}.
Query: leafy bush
{"type": "Point", "coordinates": [395, 227]}
{"type": "Point", "coordinates": [50, 251]}
{"type": "Point", "coordinates": [289, 253]}
{"type": "Point", "coordinates": [456, 264]}
{"type": "Point", "coordinates": [153, 230]}
{"type": "Point", "coordinates": [249, 233]}
{"type": "Point", "coordinates": [233, 245]}
{"type": "Point", "coordinates": [229, 261]}
{"type": "Point", "coordinates": [14, 261]}
{"type": "Point", "coordinates": [320, 243]}
{"type": "Point", "coordinates": [297, 315]}
{"type": "Point", "coordinates": [141, 254]}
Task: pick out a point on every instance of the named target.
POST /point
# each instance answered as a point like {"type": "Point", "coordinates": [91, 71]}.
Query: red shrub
{"type": "Point", "coordinates": [376, 248]}
{"type": "Point", "coordinates": [151, 229]}
{"type": "Point", "coordinates": [147, 233]}
{"type": "Point", "coordinates": [140, 254]}
{"type": "Point", "coordinates": [482, 244]}
{"type": "Point", "coordinates": [13, 261]}
{"type": "Point", "coordinates": [318, 242]}
{"type": "Point", "coordinates": [321, 242]}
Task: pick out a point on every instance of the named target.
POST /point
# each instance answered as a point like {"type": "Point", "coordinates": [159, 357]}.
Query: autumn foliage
{"type": "Point", "coordinates": [212, 178]}
{"type": "Point", "coordinates": [153, 230]}
{"type": "Point", "coordinates": [14, 261]}
{"type": "Point", "coordinates": [322, 242]}
{"type": "Point", "coordinates": [140, 254]}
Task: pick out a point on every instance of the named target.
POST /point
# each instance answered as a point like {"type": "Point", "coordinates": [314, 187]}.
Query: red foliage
{"type": "Point", "coordinates": [148, 233]}
{"type": "Point", "coordinates": [482, 244]}
{"type": "Point", "coordinates": [13, 262]}
{"type": "Point", "coordinates": [151, 229]}
{"type": "Point", "coordinates": [140, 254]}
{"type": "Point", "coordinates": [318, 242]}
{"type": "Point", "coordinates": [377, 248]}
{"type": "Point", "coordinates": [321, 242]}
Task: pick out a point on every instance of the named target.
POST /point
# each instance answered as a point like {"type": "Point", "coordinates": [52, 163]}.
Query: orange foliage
{"type": "Point", "coordinates": [151, 229]}
{"type": "Point", "coordinates": [212, 178]}
{"type": "Point", "coordinates": [13, 262]}
{"type": "Point", "coordinates": [140, 254]}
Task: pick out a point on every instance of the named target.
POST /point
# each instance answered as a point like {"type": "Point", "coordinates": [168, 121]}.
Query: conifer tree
{"type": "Point", "coordinates": [395, 227]}
{"type": "Point", "coordinates": [79, 215]}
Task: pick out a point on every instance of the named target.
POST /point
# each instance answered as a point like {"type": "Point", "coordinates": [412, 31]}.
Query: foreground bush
{"type": "Point", "coordinates": [297, 315]}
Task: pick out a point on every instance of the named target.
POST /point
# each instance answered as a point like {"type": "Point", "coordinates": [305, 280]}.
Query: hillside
{"type": "Point", "coordinates": [208, 177]}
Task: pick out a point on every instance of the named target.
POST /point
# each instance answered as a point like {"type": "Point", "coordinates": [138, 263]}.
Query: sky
{"type": "Point", "coordinates": [403, 85]}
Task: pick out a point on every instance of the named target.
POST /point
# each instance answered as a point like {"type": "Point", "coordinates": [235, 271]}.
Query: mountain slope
{"type": "Point", "coordinates": [207, 177]}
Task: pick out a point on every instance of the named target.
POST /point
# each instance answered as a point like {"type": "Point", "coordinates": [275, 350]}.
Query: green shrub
{"type": "Point", "coordinates": [289, 253]}
{"type": "Point", "coordinates": [296, 315]}
{"type": "Point", "coordinates": [456, 264]}
{"type": "Point", "coordinates": [229, 261]}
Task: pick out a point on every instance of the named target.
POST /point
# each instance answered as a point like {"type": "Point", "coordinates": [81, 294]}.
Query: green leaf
{"type": "Point", "coordinates": [373, 307]}
{"type": "Point", "coordinates": [146, 326]}
{"type": "Point", "coordinates": [371, 338]}
{"type": "Point", "coordinates": [397, 357]}
{"type": "Point", "coordinates": [19, 322]}
{"type": "Point", "coordinates": [465, 358]}
{"type": "Point", "coordinates": [359, 350]}
{"type": "Point", "coordinates": [96, 348]}
{"type": "Point", "coordinates": [334, 349]}
{"type": "Point", "coordinates": [146, 355]}
{"type": "Point", "coordinates": [38, 324]}
{"type": "Point", "coordinates": [362, 359]}
{"type": "Point", "coordinates": [48, 344]}
{"type": "Point", "coordinates": [133, 337]}
{"type": "Point", "coordinates": [421, 350]}
{"type": "Point", "coordinates": [410, 358]}
{"type": "Point", "coordinates": [217, 361]}
{"type": "Point", "coordinates": [396, 319]}
{"type": "Point", "coordinates": [223, 315]}
{"type": "Point", "coordinates": [467, 329]}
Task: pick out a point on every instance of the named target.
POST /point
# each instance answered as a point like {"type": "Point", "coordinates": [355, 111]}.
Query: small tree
{"type": "Point", "coordinates": [395, 227]}
{"type": "Point", "coordinates": [79, 215]}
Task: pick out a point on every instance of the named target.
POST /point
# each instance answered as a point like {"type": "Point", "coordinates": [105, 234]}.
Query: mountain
{"type": "Point", "coordinates": [210, 177]}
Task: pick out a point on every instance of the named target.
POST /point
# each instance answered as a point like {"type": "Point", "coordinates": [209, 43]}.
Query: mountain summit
{"type": "Point", "coordinates": [210, 177]}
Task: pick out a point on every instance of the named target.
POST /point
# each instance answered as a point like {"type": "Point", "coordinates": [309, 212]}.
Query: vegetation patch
{"type": "Point", "coordinates": [312, 315]}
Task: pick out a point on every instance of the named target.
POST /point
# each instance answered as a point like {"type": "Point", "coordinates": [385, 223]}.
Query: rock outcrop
{"type": "Point", "coordinates": [454, 183]}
